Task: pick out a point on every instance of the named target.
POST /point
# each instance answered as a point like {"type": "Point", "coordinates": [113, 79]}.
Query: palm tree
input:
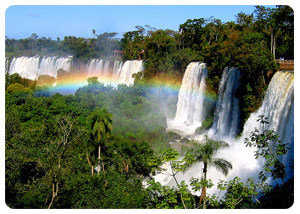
{"type": "Point", "coordinates": [204, 152]}
{"type": "Point", "coordinates": [101, 129]}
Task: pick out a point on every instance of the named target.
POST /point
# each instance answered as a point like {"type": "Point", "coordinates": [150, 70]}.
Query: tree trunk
{"type": "Point", "coordinates": [273, 42]}
{"type": "Point", "coordinates": [88, 159]}
{"type": "Point", "coordinates": [274, 46]}
{"type": "Point", "coordinates": [55, 184]}
{"type": "Point", "coordinates": [99, 161]}
{"type": "Point", "coordinates": [203, 193]}
{"type": "Point", "coordinates": [174, 176]}
{"type": "Point", "coordinates": [54, 193]}
{"type": "Point", "coordinates": [209, 40]}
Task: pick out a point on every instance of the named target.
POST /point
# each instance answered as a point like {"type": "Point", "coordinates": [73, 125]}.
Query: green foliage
{"type": "Point", "coordinates": [270, 148]}
{"type": "Point", "coordinates": [31, 132]}
{"type": "Point", "coordinates": [45, 80]}
{"type": "Point", "coordinates": [197, 184]}
{"type": "Point", "coordinates": [101, 121]}
{"type": "Point", "coordinates": [16, 78]}
{"type": "Point", "coordinates": [206, 124]}
{"type": "Point", "coordinates": [205, 152]}
{"type": "Point", "coordinates": [164, 197]}
{"type": "Point", "coordinates": [238, 194]}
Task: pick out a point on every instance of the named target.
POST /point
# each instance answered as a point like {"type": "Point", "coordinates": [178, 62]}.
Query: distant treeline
{"type": "Point", "coordinates": [80, 48]}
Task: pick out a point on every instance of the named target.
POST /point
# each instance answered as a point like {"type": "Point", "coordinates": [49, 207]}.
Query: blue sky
{"type": "Point", "coordinates": [59, 21]}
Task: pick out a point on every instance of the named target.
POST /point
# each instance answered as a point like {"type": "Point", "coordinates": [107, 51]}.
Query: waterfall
{"type": "Point", "coordinates": [100, 68]}
{"type": "Point", "coordinates": [117, 69]}
{"type": "Point", "coordinates": [112, 72]}
{"type": "Point", "coordinates": [278, 106]}
{"type": "Point", "coordinates": [95, 68]}
{"type": "Point", "coordinates": [107, 72]}
{"type": "Point", "coordinates": [191, 110]}
{"type": "Point", "coordinates": [227, 116]}
{"type": "Point", "coordinates": [26, 67]}
{"type": "Point", "coordinates": [118, 74]}
{"type": "Point", "coordinates": [50, 65]}
{"type": "Point", "coordinates": [129, 68]}
{"type": "Point", "coordinates": [33, 67]}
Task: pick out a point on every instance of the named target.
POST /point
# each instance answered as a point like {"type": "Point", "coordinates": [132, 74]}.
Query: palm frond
{"type": "Point", "coordinates": [222, 165]}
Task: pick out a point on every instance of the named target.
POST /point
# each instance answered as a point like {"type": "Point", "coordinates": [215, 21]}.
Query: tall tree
{"type": "Point", "coordinates": [204, 152]}
{"type": "Point", "coordinates": [101, 130]}
{"type": "Point", "coordinates": [278, 24]}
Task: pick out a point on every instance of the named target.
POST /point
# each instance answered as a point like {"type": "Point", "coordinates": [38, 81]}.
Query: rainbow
{"type": "Point", "coordinates": [162, 83]}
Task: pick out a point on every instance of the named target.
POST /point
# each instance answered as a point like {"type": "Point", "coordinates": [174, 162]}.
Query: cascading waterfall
{"type": "Point", "coordinates": [33, 67]}
{"type": "Point", "coordinates": [107, 72]}
{"type": "Point", "coordinates": [110, 72]}
{"type": "Point", "coordinates": [26, 67]}
{"type": "Point", "coordinates": [95, 68]}
{"type": "Point", "coordinates": [278, 106]}
{"type": "Point", "coordinates": [227, 116]}
{"type": "Point", "coordinates": [117, 69]}
{"type": "Point", "coordinates": [118, 74]}
{"type": "Point", "coordinates": [50, 65]}
{"type": "Point", "coordinates": [191, 100]}
{"type": "Point", "coordinates": [99, 68]}
{"type": "Point", "coordinates": [129, 68]}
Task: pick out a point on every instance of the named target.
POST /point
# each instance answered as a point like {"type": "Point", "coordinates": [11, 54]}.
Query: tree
{"type": "Point", "coordinates": [133, 42]}
{"type": "Point", "coordinates": [54, 153]}
{"type": "Point", "coordinates": [204, 152]}
{"type": "Point", "coordinates": [244, 20]}
{"type": "Point", "coordinates": [81, 48]}
{"type": "Point", "coordinates": [105, 43]}
{"type": "Point", "coordinates": [278, 25]}
{"type": "Point", "coordinates": [285, 39]}
{"type": "Point", "coordinates": [270, 148]}
{"type": "Point", "coordinates": [101, 130]}
{"type": "Point", "coordinates": [171, 156]}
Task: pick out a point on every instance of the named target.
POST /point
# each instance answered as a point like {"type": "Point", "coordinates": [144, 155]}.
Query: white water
{"type": "Point", "coordinates": [190, 106]}
{"type": "Point", "coordinates": [113, 73]}
{"type": "Point", "coordinates": [278, 106]}
{"type": "Point", "coordinates": [129, 68]}
{"type": "Point", "coordinates": [95, 68]}
{"type": "Point", "coordinates": [227, 116]}
{"type": "Point", "coordinates": [33, 67]}
{"type": "Point", "coordinates": [119, 73]}
{"type": "Point", "coordinates": [117, 69]}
